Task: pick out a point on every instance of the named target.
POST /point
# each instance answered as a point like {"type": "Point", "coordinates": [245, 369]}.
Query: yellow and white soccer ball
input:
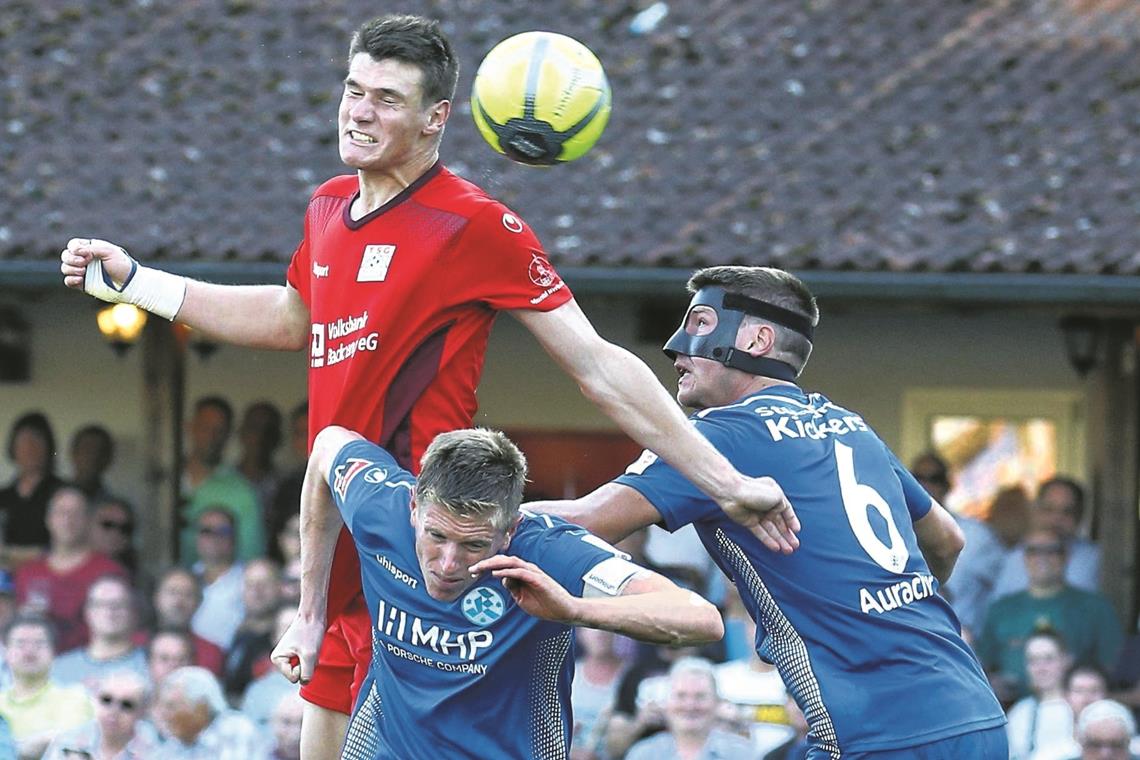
{"type": "Point", "coordinates": [541, 98]}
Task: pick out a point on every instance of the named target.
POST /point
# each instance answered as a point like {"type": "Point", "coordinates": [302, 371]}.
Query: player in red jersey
{"type": "Point", "coordinates": [393, 289]}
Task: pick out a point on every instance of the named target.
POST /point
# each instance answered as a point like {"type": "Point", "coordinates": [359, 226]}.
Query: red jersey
{"type": "Point", "coordinates": [401, 303]}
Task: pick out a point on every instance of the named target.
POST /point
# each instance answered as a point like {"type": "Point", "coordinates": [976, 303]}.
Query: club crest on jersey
{"type": "Point", "coordinates": [344, 474]}
{"type": "Point", "coordinates": [483, 605]}
{"type": "Point", "coordinates": [512, 222]}
{"type": "Point", "coordinates": [320, 271]}
{"type": "Point", "coordinates": [541, 273]}
{"type": "Point", "coordinates": [375, 262]}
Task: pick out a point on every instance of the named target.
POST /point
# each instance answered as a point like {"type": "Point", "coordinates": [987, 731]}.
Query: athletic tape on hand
{"type": "Point", "coordinates": [156, 291]}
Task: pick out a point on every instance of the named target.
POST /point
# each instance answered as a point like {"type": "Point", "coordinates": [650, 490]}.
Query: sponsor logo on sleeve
{"type": "Point", "coordinates": [375, 262]}
{"type": "Point", "coordinates": [376, 476]}
{"type": "Point", "coordinates": [512, 222]}
{"type": "Point", "coordinates": [542, 274]}
{"type": "Point", "coordinates": [344, 474]}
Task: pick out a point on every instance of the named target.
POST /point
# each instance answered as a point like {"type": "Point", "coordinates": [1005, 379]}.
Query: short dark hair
{"type": "Point", "coordinates": [474, 472]}
{"type": "Point", "coordinates": [937, 473]}
{"type": "Point", "coordinates": [1088, 668]}
{"type": "Point", "coordinates": [106, 442]}
{"type": "Point", "coordinates": [222, 510]}
{"type": "Point", "coordinates": [174, 570]}
{"type": "Point", "coordinates": [772, 286]}
{"type": "Point", "coordinates": [35, 621]}
{"type": "Point", "coordinates": [218, 403]}
{"type": "Point", "coordinates": [185, 636]}
{"type": "Point", "coordinates": [1076, 490]}
{"type": "Point", "coordinates": [1046, 631]}
{"type": "Point", "coordinates": [413, 40]}
{"type": "Point", "coordinates": [37, 422]}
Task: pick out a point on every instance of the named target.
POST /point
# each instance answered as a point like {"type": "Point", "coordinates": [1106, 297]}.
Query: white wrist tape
{"type": "Point", "coordinates": [156, 291]}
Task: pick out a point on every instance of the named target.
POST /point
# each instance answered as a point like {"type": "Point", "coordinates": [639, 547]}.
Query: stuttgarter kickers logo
{"type": "Point", "coordinates": [483, 605]}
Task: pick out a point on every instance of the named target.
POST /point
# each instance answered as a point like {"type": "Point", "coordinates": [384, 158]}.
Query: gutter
{"type": "Point", "coordinates": [927, 287]}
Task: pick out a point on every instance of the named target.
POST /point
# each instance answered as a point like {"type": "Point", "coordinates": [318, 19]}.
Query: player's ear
{"type": "Point", "coordinates": [514, 526]}
{"type": "Point", "coordinates": [757, 338]}
{"type": "Point", "coordinates": [437, 117]}
{"type": "Point", "coordinates": [412, 508]}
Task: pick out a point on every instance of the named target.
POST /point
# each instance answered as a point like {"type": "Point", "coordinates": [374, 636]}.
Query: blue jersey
{"type": "Point", "coordinates": [474, 678]}
{"type": "Point", "coordinates": [852, 621]}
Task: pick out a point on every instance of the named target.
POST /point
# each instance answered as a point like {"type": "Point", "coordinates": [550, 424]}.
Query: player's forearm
{"type": "Point", "coordinates": [941, 566]}
{"type": "Point", "coordinates": [320, 525]}
{"type": "Point", "coordinates": [255, 316]}
{"type": "Point", "coordinates": [676, 616]}
{"type": "Point", "coordinates": [625, 389]}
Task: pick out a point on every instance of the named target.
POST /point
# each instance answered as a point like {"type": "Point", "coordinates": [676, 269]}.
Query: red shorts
{"type": "Point", "coordinates": [344, 659]}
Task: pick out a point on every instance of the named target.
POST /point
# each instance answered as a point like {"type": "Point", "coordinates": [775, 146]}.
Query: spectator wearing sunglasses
{"type": "Point", "coordinates": [1085, 620]}
{"type": "Point", "coordinates": [221, 575]}
{"type": "Point", "coordinates": [969, 589]}
{"type": "Point", "coordinates": [57, 585]}
{"type": "Point", "coordinates": [113, 532]}
{"type": "Point", "coordinates": [118, 731]}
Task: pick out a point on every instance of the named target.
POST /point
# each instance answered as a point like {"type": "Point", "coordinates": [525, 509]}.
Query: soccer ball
{"type": "Point", "coordinates": [541, 98]}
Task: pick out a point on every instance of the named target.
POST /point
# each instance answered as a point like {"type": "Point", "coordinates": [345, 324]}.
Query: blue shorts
{"type": "Point", "coordinates": [988, 744]}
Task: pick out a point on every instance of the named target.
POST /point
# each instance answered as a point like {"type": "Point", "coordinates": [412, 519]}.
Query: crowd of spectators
{"type": "Point", "coordinates": [104, 658]}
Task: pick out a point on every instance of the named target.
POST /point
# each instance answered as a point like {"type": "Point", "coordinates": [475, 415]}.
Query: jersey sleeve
{"type": "Point", "coordinates": [299, 274]}
{"type": "Point", "coordinates": [678, 500]}
{"type": "Point", "coordinates": [366, 482]}
{"type": "Point", "coordinates": [918, 501]}
{"type": "Point", "coordinates": [506, 265]}
{"type": "Point", "coordinates": [566, 552]}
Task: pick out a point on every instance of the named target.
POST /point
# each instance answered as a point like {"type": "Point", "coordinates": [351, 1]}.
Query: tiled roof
{"type": "Point", "coordinates": [867, 135]}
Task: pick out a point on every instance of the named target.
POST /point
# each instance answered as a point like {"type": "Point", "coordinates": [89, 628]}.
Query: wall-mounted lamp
{"type": "Point", "coordinates": [121, 324]}
{"type": "Point", "coordinates": [1082, 341]}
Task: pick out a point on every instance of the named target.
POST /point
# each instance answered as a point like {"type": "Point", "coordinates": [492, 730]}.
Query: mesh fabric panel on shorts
{"type": "Point", "coordinates": [789, 653]}
{"type": "Point", "coordinates": [548, 723]}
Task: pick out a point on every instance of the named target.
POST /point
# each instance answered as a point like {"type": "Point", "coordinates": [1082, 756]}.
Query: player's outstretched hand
{"type": "Point", "coordinates": [296, 653]}
{"type": "Point", "coordinates": [82, 251]}
{"type": "Point", "coordinates": [532, 589]}
{"type": "Point", "coordinates": [763, 508]}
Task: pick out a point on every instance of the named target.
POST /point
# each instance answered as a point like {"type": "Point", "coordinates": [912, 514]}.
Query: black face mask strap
{"type": "Point", "coordinates": [777, 314]}
{"type": "Point", "coordinates": [759, 365]}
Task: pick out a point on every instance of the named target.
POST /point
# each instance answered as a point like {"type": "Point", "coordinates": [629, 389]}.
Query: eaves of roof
{"type": "Point", "coordinates": [929, 288]}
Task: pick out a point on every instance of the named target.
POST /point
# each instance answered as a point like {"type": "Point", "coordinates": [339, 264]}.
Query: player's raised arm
{"type": "Point", "coordinates": [647, 606]}
{"type": "Point", "coordinates": [296, 654]}
{"type": "Point", "coordinates": [259, 316]}
{"type": "Point", "coordinates": [623, 387]}
{"type": "Point", "coordinates": [611, 512]}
